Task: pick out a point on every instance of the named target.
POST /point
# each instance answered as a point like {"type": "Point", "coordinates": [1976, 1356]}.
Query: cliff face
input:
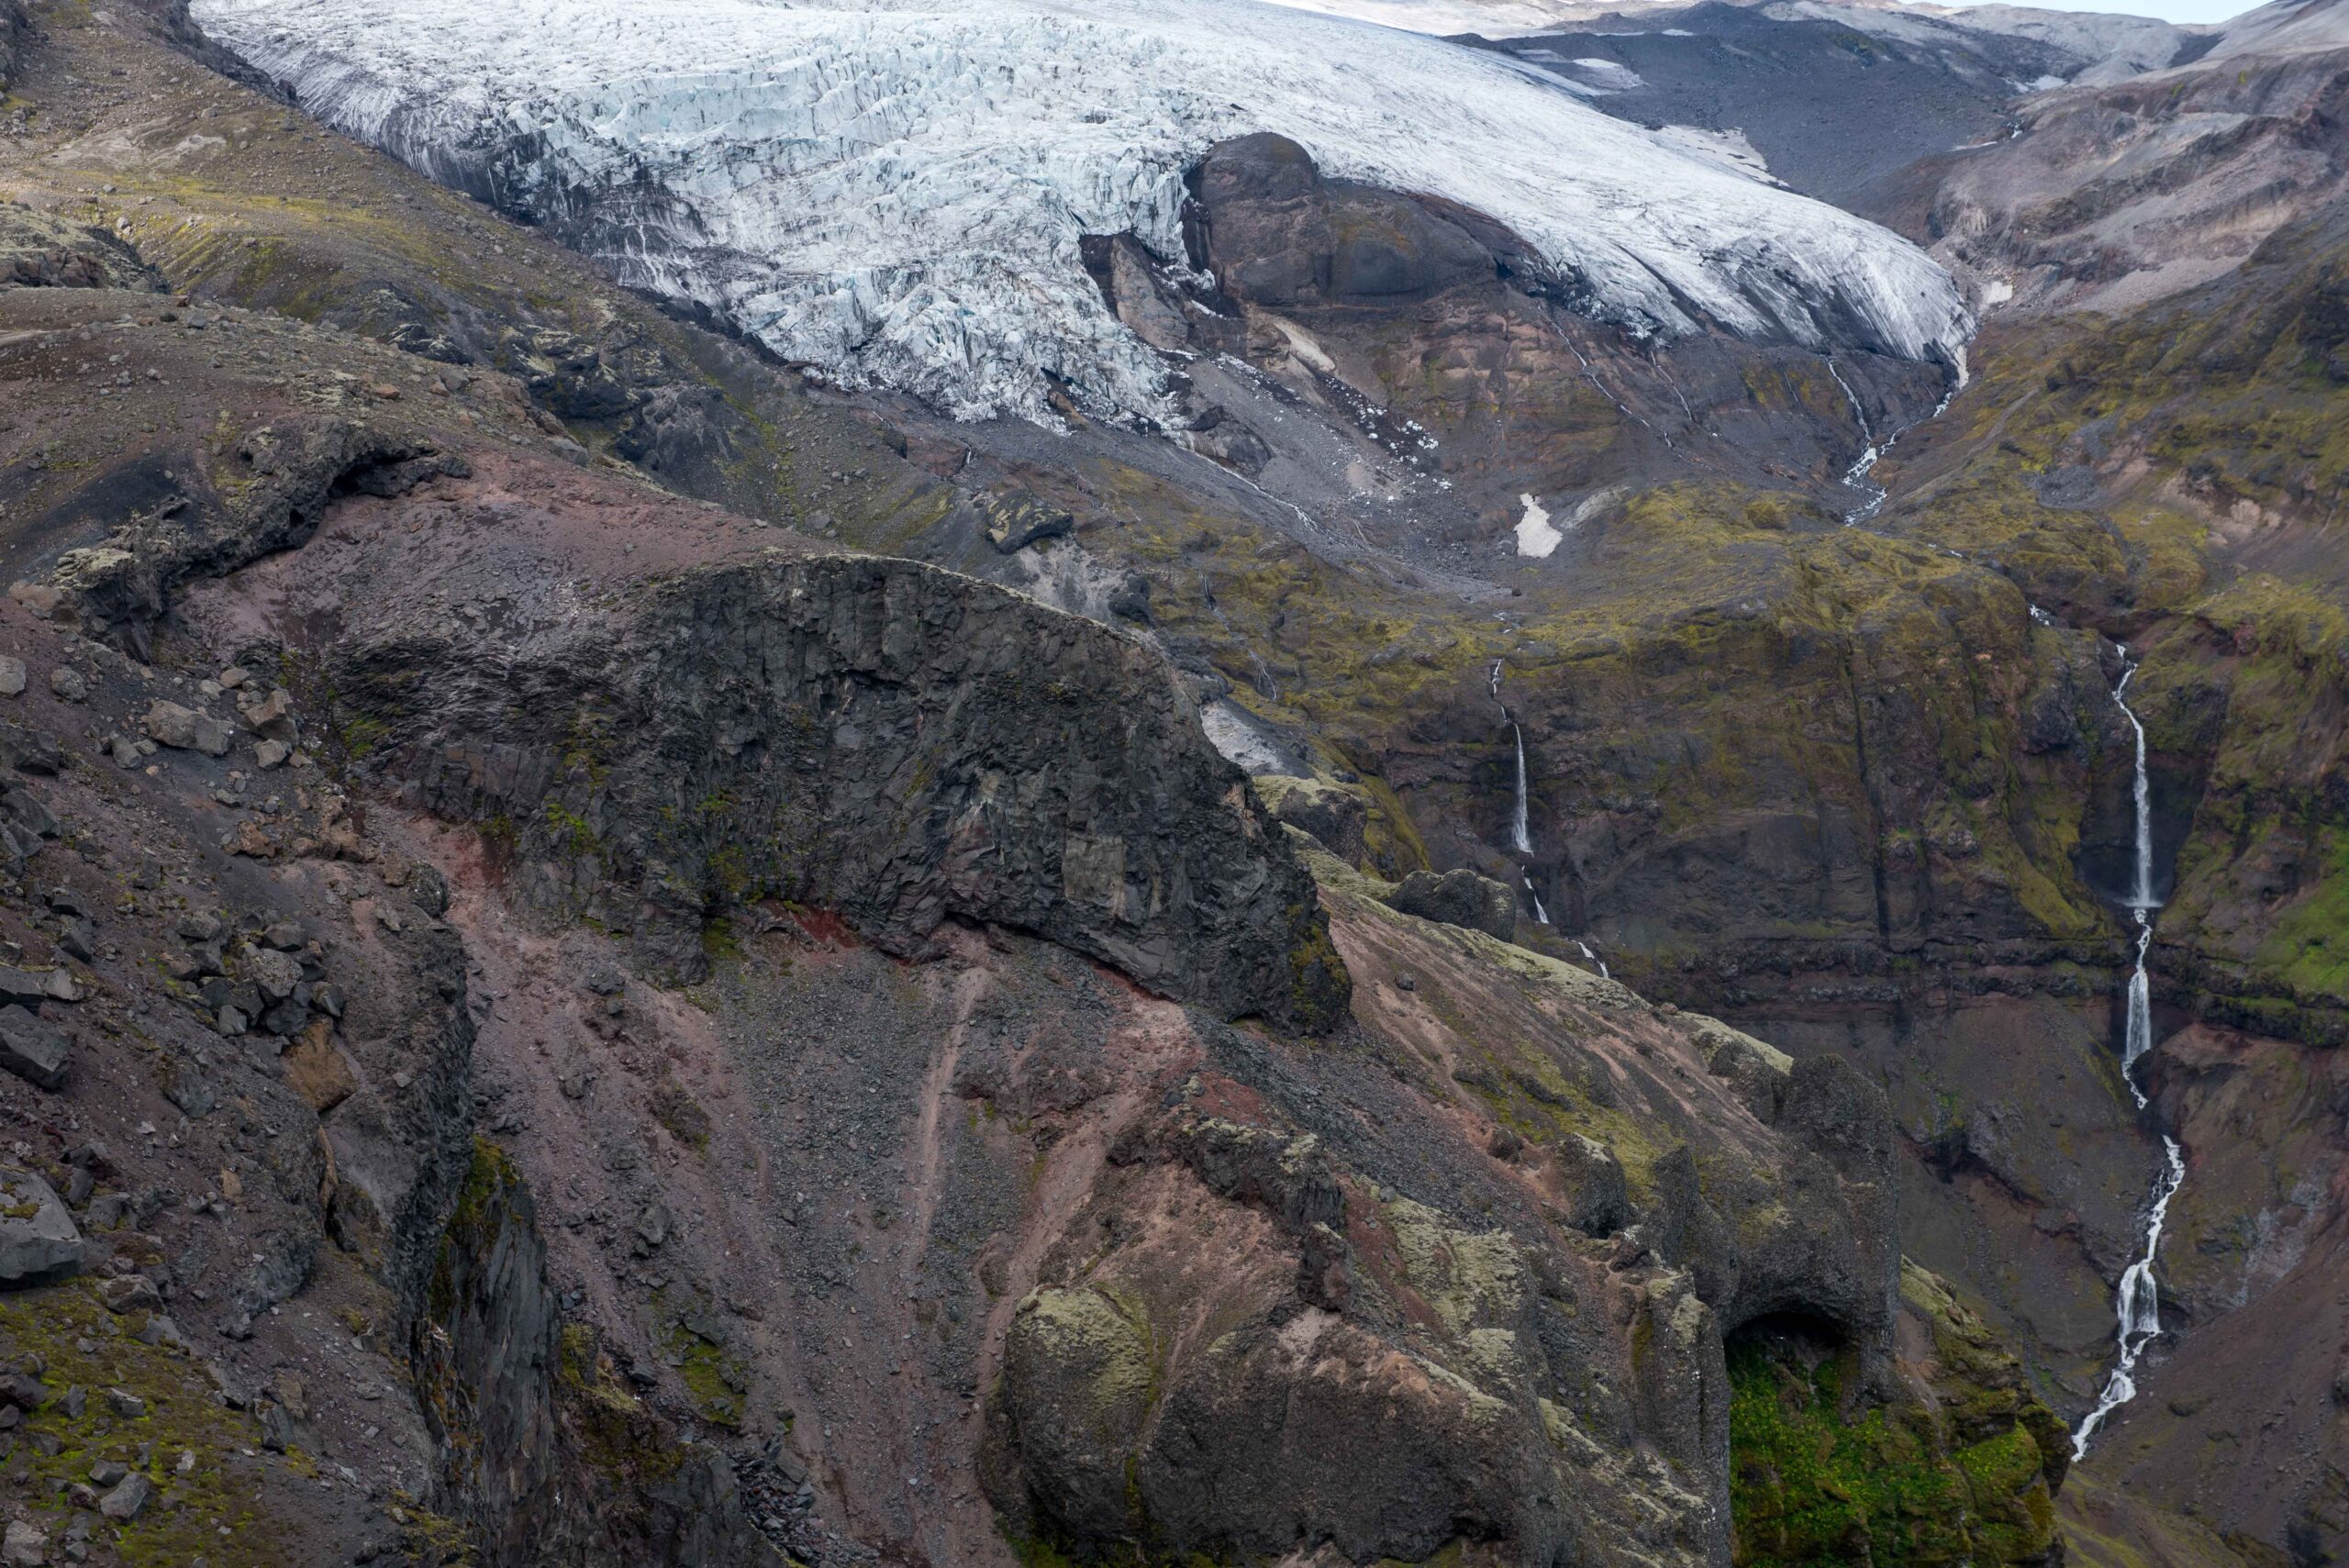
{"type": "Point", "coordinates": [871, 737]}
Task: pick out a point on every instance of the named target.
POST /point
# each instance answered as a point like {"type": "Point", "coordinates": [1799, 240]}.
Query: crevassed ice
{"type": "Point", "coordinates": [894, 191]}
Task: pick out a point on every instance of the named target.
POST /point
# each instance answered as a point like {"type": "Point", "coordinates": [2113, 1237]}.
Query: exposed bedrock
{"type": "Point", "coordinates": [1390, 1347]}
{"type": "Point", "coordinates": [1904, 770]}
{"type": "Point", "coordinates": [875, 736]}
{"type": "Point", "coordinates": [717, 724]}
{"type": "Point", "coordinates": [2136, 191]}
{"type": "Point", "coordinates": [1448, 371]}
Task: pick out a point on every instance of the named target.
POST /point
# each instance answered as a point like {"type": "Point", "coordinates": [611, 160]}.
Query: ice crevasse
{"type": "Point", "coordinates": [894, 192]}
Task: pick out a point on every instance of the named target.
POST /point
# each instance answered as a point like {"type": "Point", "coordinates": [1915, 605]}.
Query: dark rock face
{"type": "Point", "coordinates": [267, 496]}
{"type": "Point", "coordinates": [1278, 234]}
{"type": "Point", "coordinates": [528, 1412]}
{"type": "Point", "coordinates": [14, 27]}
{"type": "Point", "coordinates": [1591, 1180]}
{"type": "Point", "coordinates": [1459, 898]}
{"type": "Point", "coordinates": [1335, 818]}
{"type": "Point", "coordinates": [875, 736]}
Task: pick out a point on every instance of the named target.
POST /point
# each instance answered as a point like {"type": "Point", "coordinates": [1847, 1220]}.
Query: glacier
{"type": "Point", "coordinates": [893, 192]}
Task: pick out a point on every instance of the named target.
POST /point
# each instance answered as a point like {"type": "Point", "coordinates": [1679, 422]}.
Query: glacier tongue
{"type": "Point", "coordinates": [894, 192]}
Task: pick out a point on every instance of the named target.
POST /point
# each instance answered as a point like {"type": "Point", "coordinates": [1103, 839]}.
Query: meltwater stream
{"type": "Point", "coordinates": [1521, 830]}
{"type": "Point", "coordinates": [1861, 475]}
{"type": "Point", "coordinates": [1858, 476]}
{"type": "Point", "coordinates": [2138, 1304]}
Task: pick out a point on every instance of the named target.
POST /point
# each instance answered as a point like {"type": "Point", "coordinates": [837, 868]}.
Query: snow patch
{"type": "Point", "coordinates": [894, 191]}
{"type": "Point", "coordinates": [1245, 742]}
{"type": "Point", "coordinates": [1613, 75]}
{"type": "Point", "coordinates": [1535, 536]}
{"type": "Point", "coordinates": [1730, 148]}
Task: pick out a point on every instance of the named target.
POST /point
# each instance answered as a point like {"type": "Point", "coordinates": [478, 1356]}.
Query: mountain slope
{"type": "Point", "coordinates": [897, 195]}
{"type": "Point", "coordinates": [2116, 194]}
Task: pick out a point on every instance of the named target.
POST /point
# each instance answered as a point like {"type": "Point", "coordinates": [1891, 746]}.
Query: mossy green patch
{"type": "Point", "coordinates": [205, 1504]}
{"type": "Point", "coordinates": [1812, 1484]}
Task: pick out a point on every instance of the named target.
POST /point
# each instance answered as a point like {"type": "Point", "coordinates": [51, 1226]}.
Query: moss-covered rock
{"type": "Point", "coordinates": [199, 1454]}
{"type": "Point", "coordinates": [1958, 1464]}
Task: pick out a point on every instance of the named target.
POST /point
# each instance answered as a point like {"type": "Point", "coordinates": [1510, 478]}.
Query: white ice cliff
{"type": "Point", "coordinates": [894, 192]}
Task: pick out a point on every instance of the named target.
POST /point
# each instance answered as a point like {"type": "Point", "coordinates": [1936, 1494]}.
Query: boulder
{"type": "Point", "coordinates": [128, 1498]}
{"type": "Point", "coordinates": [316, 1068]}
{"type": "Point", "coordinates": [1017, 519]}
{"type": "Point", "coordinates": [186, 729]}
{"type": "Point", "coordinates": [272, 717]}
{"type": "Point", "coordinates": [276, 973]}
{"type": "Point", "coordinates": [31, 1049]}
{"type": "Point", "coordinates": [1588, 1180]}
{"type": "Point", "coordinates": [12, 676]}
{"type": "Point", "coordinates": [1458, 898]}
{"type": "Point", "coordinates": [129, 1293]}
{"type": "Point", "coordinates": [38, 1242]}
{"type": "Point", "coordinates": [1335, 817]}
{"type": "Point", "coordinates": [25, 811]}
{"type": "Point", "coordinates": [24, 1546]}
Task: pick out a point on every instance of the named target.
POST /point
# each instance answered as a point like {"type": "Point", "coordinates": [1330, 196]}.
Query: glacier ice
{"type": "Point", "coordinates": [894, 192]}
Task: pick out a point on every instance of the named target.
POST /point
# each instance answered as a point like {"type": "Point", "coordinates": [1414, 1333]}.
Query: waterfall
{"type": "Point", "coordinates": [1594, 958]}
{"type": "Point", "coordinates": [1540, 914]}
{"type": "Point", "coordinates": [1521, 837]}
{"type": "Point", "coordinates": [2138, 1303]}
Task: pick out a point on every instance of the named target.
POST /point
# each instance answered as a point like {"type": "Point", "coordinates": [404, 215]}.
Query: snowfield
{"type": "Point", "coordinates": [894, 192]}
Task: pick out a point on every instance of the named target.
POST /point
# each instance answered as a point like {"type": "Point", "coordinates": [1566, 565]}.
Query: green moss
{"type": "Point", "coordinates": [715, 1379]}
{"type": "Point", "coordinates": [209, 1509]}
{"type": "Point", "coordinates": [1821, 1475]}
{"type": "Point", "coordinates": [1813, 1485]}
{"type": "Point", "coordinates": [572, 828]}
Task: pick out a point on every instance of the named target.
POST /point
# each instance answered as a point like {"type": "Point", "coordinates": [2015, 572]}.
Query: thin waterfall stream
{"type": "Point", "coordinates": [1521, 834]}
{"type": "Point", "coordinates": [1857, 477]}
{"type": "Point", "coordinates": [1520, 831]}
{"type": "Point", "coordinates": [1861, 475]}
{"type": "Point", "coordinates": [2138, 1302]}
